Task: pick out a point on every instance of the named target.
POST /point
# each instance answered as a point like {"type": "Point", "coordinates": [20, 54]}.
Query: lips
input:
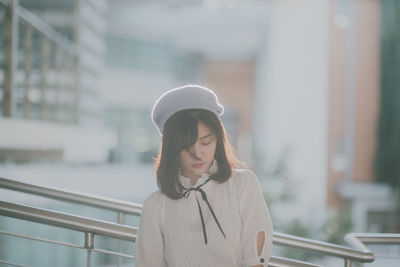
{"type": "Point", "coordinates": [197, 165]}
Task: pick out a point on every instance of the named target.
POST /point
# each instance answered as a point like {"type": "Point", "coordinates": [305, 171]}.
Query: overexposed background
{"type": "Point", "coordinates": [306, 87]}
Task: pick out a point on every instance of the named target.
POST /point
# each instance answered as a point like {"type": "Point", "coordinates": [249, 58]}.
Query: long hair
{"type": "Point", "coordinates": [180, 132]}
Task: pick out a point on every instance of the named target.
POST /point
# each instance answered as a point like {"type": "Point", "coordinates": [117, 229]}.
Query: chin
{"type": "Point", "coordinates": [205, 170]}
{"type": "Point", "coordinates": [198, 173]}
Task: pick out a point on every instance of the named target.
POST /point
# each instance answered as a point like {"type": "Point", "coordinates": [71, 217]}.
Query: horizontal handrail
{"type": "Point", "coordinates": [97, 227]}
{"type": "Point", "coordinates": [363, 255]}
{"type": "Point", "coordinates": [324, 247]}
{"type": "Point", "coordinates": [283, 262]}
{"type": "Point", "coordinates": [87, 199]}
{"type": "Point", "coordinates": [68, 221]}
{"type": "Point", "coordinates": [358, 240]}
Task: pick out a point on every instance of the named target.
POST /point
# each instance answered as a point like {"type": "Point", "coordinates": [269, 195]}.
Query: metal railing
{"type": "Point", "coordinates": [348, 254]}
{"type": "Point", "coordinates": [359, 241]}
{"type": "Point", "coordinates": [91, 228]}
{"type": "Point", "coordinates": [122, 207]}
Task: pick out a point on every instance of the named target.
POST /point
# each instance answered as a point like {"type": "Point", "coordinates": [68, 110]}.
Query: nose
{"type": "Point", "coordinates": [196, 152]}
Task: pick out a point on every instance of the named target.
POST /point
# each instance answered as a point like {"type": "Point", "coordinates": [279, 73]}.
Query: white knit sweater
{"type": "Point", "coordinates": [171, 233]}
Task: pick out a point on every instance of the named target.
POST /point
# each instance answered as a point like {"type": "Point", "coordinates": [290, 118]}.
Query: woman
{"type": "Point", "coordinates": [206, 212]}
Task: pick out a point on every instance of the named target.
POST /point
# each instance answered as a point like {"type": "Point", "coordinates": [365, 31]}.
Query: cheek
{"type": "Point", "coordinates": [183, 157]}
{"type": "Point", "coordinates": [212, 150]}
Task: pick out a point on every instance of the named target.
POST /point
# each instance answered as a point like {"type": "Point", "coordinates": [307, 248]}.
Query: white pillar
{"type": "Point", "coordinates": [295, 99]}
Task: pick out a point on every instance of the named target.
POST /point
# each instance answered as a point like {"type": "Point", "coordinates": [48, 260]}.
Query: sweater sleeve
{"type": "Point", "coordinates": [149, 242]}
{"type": "Point", "coordinates": [255, 220]}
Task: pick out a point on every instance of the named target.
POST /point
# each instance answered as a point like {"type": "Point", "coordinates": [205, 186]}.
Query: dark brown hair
{"type": "Point", "coordinates": [180, 132]}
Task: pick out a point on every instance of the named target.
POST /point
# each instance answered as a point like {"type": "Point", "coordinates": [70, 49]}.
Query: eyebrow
{"type": "Point", "coordinates": [204, 137]}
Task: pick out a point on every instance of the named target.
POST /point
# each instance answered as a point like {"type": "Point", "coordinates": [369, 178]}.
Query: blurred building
{"type": "Point", "coordinates": [299, 81]}
{"type": "Point", "coordinates": [137, 71]}
{"type": "Point", "coordinates": [53, 56]}
{"type": "Point", "coordinates": [354, 99]}
{"type": "Point", "coordinates": [321, 93]}
{"type": "Point", "coordinates": [189, 42]}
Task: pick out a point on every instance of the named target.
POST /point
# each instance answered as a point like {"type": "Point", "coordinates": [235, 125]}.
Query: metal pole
{"type": "Point", "coordinates": [347, 262]}
{"type": "Point", "coordinates": [89, 245]}
{"type": "Point", "coordinates": [121, 219]}
{"type": "Point", "coordinates": [10, 57]}
{"type": "Point", "coordinates": [89, 252]}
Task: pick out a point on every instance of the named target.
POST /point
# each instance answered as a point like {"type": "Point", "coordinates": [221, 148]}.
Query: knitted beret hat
{"type": "Point", "coordinates": [185, 97]}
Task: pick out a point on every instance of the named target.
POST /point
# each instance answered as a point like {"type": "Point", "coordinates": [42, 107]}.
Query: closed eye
{"type": "Point", "coordinates": [204, 144]}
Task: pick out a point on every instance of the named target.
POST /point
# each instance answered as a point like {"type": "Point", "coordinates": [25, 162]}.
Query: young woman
{"type": "Point", "coordinates": [207, 211]}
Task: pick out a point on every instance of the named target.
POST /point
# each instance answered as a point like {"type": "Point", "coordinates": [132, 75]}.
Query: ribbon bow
{"type": "Point", "coordinates": [204, 197]}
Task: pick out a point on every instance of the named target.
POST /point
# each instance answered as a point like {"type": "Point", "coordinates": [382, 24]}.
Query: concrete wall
{"type": "Point", "coordinates": [25, 140]}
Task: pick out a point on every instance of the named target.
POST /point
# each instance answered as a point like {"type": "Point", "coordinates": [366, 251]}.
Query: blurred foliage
{"type": "Point", "coordinates": [334, 230]}
{"type": "Point", "coordinates": [278, 170]}
{"type": "Point", "coordinates": [337, 226]}
{"type": "Point", "coordinates": [298, 229]}
{"type": "Point", "coordinates": [387, 159]}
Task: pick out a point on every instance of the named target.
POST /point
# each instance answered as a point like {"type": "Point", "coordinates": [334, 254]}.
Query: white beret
{"type": "Point", "coordinates": [185, 97]}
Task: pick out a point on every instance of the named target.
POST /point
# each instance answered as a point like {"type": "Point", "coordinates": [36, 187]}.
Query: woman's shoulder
{"type": "Point", "coordinates": [243, 172]}
{"type": "Point", "coordinates": [242, 176]}
{"type": "Point", "coordinates": [153, 199]}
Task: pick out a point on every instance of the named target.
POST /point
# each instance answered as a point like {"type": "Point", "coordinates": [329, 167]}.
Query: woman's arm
{"type": "Point", "coordinates": [149, 241]}
{"type": "Point", "coordinates": [260, 244]}
{"type": "Point", "coordinates": [256, 222]}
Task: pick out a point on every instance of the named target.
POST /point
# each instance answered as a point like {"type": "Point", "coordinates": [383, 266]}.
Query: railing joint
{"type": "Point", "coordinates": [89, 240]}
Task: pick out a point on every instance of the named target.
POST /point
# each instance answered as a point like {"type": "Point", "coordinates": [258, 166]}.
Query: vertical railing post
{"type": "Point", "coordinates": [121, 217]}
{"type": "Point", "coordinates": [89, 245]}
{"type": "Point", "coordinates": [121, 220]}
{"type": "Point", "coordinates": [347, 262]}
{"type": "Point", "coordinates": [10, 57]}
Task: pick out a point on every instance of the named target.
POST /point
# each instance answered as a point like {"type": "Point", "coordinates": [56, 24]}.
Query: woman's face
{"type": "Point", "coordinates": [198, 158]}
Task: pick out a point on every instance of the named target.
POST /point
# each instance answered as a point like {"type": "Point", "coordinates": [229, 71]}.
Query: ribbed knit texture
{"type": "Point", "coordinates": [170, 231]}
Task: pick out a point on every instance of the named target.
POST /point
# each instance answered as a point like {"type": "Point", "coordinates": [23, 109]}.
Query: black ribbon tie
{"type": "Point", "coordinates": [204, 197]}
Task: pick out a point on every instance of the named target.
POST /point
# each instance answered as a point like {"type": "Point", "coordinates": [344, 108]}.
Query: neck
{"type": "Point", "coordinates": [194, 180]}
